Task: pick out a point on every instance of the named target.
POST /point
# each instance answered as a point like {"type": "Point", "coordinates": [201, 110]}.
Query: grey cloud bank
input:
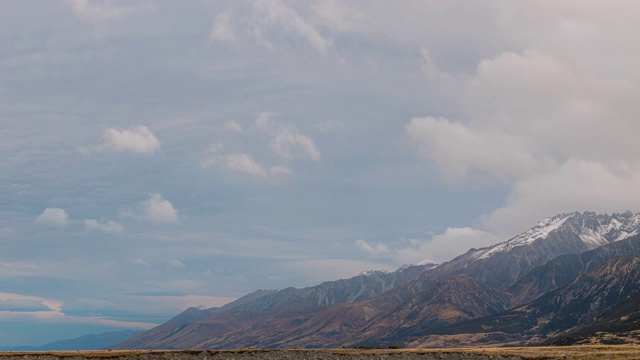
{"type": "Point", "coordinates": [160, 155]}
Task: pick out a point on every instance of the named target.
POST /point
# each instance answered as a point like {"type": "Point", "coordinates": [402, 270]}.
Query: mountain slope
{"type": "Point", "coordinates": [580, 300]}
{"type": "Point", "coordinates": [618, 324]}
{"type": "Point", "coordinates": [457, 299]}
{"type": "Point", "coordinates": [384, 317]}
{"type": "Point", "coordinates": [159, 333]}
{"type": "Point", "coordinates": [561, 270]}
{"type": "Point", "coordinates": [281, 308]}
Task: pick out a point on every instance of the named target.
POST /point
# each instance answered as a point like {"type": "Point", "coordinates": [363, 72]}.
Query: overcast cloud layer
{"type": "Point", "coordinates": [161, 155]}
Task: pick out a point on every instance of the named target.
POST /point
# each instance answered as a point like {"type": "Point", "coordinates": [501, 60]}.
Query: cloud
{"type": "Point", "coordinates": [223, 28]}
{"type": "Point", "coordinates": [457, 150]}
{"type": "Point", "coordinates": [445, 246]}
{"type": "Point", "coordinates": [53, 217]}
{"type": "Point", "coordinates": [286, 140]}
{"type": "Point", "coordinates": [110, 226]}
{"type": "Point", "coordinates": [577, 185]}
{"type": "Point", "coordinates": [335, 15]}
{"type": "Point", "coordinates": [138, 139]}
{"type": "Point", "coordinates": [89, 307]}
{"type": "Point", "coordinates": [554, 122]}
{"type": "Point", "coordinates": [279, 170]}
{"type": "Point", "coordinates": [235, 162]}
{"type": "Point", "coordinates": [269, 16]}
{"type": "Point", "coordinates": [376, 249]}
{"type": "Point", "coordinates": [289, 143]}
{"type": "Point", "coordinates": [233, 126]}
{"type": "Point", "coordinates": [26, 303]}
{"type": "Point", "coordinates": [23, 305]}
{"type": "Point", "coordinates": [176, 265]}
{"type": "Point", "coordinates": [158, 210]}
{"type": "Point", "coordinates": [101, 10]}
{"type": "Point", "coordinates": [331, 125]}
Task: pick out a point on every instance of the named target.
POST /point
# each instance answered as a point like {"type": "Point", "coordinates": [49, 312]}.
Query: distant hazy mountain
{"type": "Point", "coordinates": [557, 277]}
{"type": "Point", "coordinates": [86, 342]}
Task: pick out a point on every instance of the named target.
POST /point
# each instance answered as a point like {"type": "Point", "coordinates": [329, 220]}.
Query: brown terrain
{"type": "Point", "coordinates": [569, 352]}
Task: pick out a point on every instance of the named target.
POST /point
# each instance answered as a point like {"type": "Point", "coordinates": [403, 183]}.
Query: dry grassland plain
{"type": "Point", "coordinates": [569, 352]}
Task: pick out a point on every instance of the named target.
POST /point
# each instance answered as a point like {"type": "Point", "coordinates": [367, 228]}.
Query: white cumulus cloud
{"type": "Point", "coordinates": [137, 139]}
{"type": "Point", "coordinates": [53, 217]}
{"type": "Point", "coordinates": [158, 210]}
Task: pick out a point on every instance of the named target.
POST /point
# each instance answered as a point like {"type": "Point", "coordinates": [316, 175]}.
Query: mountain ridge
{"type": "Point", "coordinates": [382, 308]}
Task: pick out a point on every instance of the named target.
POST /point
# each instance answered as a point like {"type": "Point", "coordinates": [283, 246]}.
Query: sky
{"type": "Point", "coordinates": [156, 155]}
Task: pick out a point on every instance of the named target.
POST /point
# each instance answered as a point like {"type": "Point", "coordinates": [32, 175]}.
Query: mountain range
{"type": "Point", "coordinates": [572, 278]}
{"type": "Point", "coordinates": [86, 342]}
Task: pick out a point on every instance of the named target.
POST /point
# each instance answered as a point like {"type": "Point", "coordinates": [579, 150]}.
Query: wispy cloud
{"type": "Point", "coordinates": [109, 226]}
{"type": "Point", "coordinates": [286, 140]}
{"type": "Point", "coordinates": [235, 162]}
{"type": "Point", "coordinates": [289, 143]}
{"type": "Point", "coordinates": [223, 30]}
{"type": "Point", "coordinates": [272, 22]}
{"type": "Point", "coordinates": [101, 11]}
{"type": "Point", "coordinates": [375, 249]}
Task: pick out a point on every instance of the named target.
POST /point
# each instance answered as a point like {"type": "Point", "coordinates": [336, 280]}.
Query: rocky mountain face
{"type": "Point", "coordinates": [455, 300]}
{"type": "Point", "coordinates": [619, 324]}
{"type": "Point", "coordinates": [558, 275]}
{"type": "Point", "coordinates": [563, 309]}
{"type": "Point", "coordinates": [561, 270]}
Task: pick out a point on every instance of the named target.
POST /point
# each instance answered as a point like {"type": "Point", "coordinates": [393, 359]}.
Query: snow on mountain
{"type": "Point", "coordinates": [372, 272]}
{"type": "Point", "coordinates": [541, 230]}
{"type": "Point", "coordinates": [593, 229]}
{"type": "Point", "coordinates": [426, 262]}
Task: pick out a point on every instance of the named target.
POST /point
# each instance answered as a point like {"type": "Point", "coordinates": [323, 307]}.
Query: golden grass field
{"type": "Point", "coordinates": [568, 352]}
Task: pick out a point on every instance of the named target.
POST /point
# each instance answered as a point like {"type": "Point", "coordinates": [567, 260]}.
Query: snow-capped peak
{"type": "Point", "coordinates": [593, 229]}
{"type": "Point", "coordinates": [426, 262]}
{"type": "Point", "coordinates": [372, 272]}
{"type": "Point", "coordinates": [541, 230]}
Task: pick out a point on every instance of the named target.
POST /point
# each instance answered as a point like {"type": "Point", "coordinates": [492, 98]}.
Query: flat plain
{"type": "Point", "coordinates": [473, 353]}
